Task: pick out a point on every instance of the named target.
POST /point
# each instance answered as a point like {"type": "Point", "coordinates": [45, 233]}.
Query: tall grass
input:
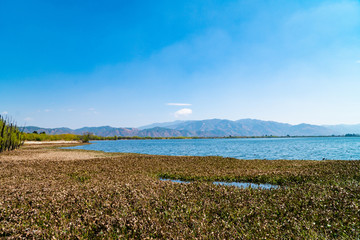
{"type": "Point", "coordinates": [11, 137]}
{"type": "Point", "coordinates": [119, 196]}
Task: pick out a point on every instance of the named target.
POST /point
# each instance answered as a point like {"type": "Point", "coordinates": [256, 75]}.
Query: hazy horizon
{"type": "Point", "coordinates": [130, 64]}
{"type": "Point", "coordinates": [142, 126]}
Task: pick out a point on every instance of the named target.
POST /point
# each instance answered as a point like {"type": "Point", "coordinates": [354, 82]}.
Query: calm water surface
{"type": "Point", "coordinates": [314, 148]}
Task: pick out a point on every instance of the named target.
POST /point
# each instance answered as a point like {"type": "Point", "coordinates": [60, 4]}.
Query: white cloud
{"type": "Point", "coordinates": [28, 119]}
{"type": "Point", "coordinates": [47, 110]}
{"type": "Point", "coordinates": [183, 112]}
{"type": "Point", "coordinates": [178, 104]}
{"type": "Point", "coordinates": [93, 110]}
{"type": "Point", "coordinates": [4, 113]}
{"type": "Point", "coordinates": [358, 61]}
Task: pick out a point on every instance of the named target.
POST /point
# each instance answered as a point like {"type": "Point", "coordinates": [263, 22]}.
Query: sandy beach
{"type": "Point", "coordinates": [51, 142]}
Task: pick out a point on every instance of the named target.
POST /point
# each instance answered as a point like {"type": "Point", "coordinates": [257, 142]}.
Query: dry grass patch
{"type": "Point", "coordinates": [98, 195]}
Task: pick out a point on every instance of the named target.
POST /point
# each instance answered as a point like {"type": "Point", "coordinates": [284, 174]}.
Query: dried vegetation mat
{"type": "Point", "coordinates": [47, 192]}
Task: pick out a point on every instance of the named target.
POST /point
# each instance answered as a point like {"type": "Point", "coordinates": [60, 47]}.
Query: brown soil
{"type": "Point", "coordinates": [49, 152]}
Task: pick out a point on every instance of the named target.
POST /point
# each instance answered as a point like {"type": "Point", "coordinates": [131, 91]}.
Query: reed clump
{"type": "Point", "coordinates": [11, 137]}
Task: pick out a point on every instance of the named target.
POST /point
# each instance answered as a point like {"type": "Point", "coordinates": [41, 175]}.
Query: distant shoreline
{"type": "Point", "coordinates": [76, 138]}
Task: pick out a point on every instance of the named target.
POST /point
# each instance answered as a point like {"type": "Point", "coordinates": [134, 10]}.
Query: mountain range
{"type": "Point", "coordinates": [210, 128]}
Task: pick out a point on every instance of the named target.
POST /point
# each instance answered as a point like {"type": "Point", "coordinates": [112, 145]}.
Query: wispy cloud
{"type": "Point", "coordinates": [178, 104]}
{"type": "Point", "coordinates": [45, 110]}
{"type": "Point", "coordinates": [28, 119]}
{"type": "Point", "coordinates": [183, 112]}
{"type": "Point", "coordinates": [4, 113]}
{"type": "Point", "coordinates": [358, 61]}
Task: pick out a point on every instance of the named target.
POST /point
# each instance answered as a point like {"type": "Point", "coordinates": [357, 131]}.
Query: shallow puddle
{"type": "Point", "coordinates": [247, 185]}
{"type": "Point", "coordinates": [235, 184]}
{"type": "Point", "coordinates": [173, 180]}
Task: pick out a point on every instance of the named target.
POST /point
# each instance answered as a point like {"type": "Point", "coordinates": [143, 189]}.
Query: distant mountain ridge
{"type": "Point", "coordinates": [162, 125]}
{"type": "Point", "coordinates": [209, 128]}
{"type": "Point", "coordinates": [248, 127]}
{"type": "Point", "coordinates": [107, 131]}
{"type": "Point", "coordinates": [345, 128]}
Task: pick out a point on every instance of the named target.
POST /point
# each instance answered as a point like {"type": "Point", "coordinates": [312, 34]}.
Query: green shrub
{"type": "Point", "coordinates": [11, 137]}
{"type": "Point", "coordinates": [85, 138]}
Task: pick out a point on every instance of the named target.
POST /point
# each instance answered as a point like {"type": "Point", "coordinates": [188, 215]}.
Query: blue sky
{"type": "Point", "coordinates": [131, 63]}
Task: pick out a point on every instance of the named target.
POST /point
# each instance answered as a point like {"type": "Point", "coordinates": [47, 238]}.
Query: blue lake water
{"type": "Point", "coordinates": [311, 148]}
